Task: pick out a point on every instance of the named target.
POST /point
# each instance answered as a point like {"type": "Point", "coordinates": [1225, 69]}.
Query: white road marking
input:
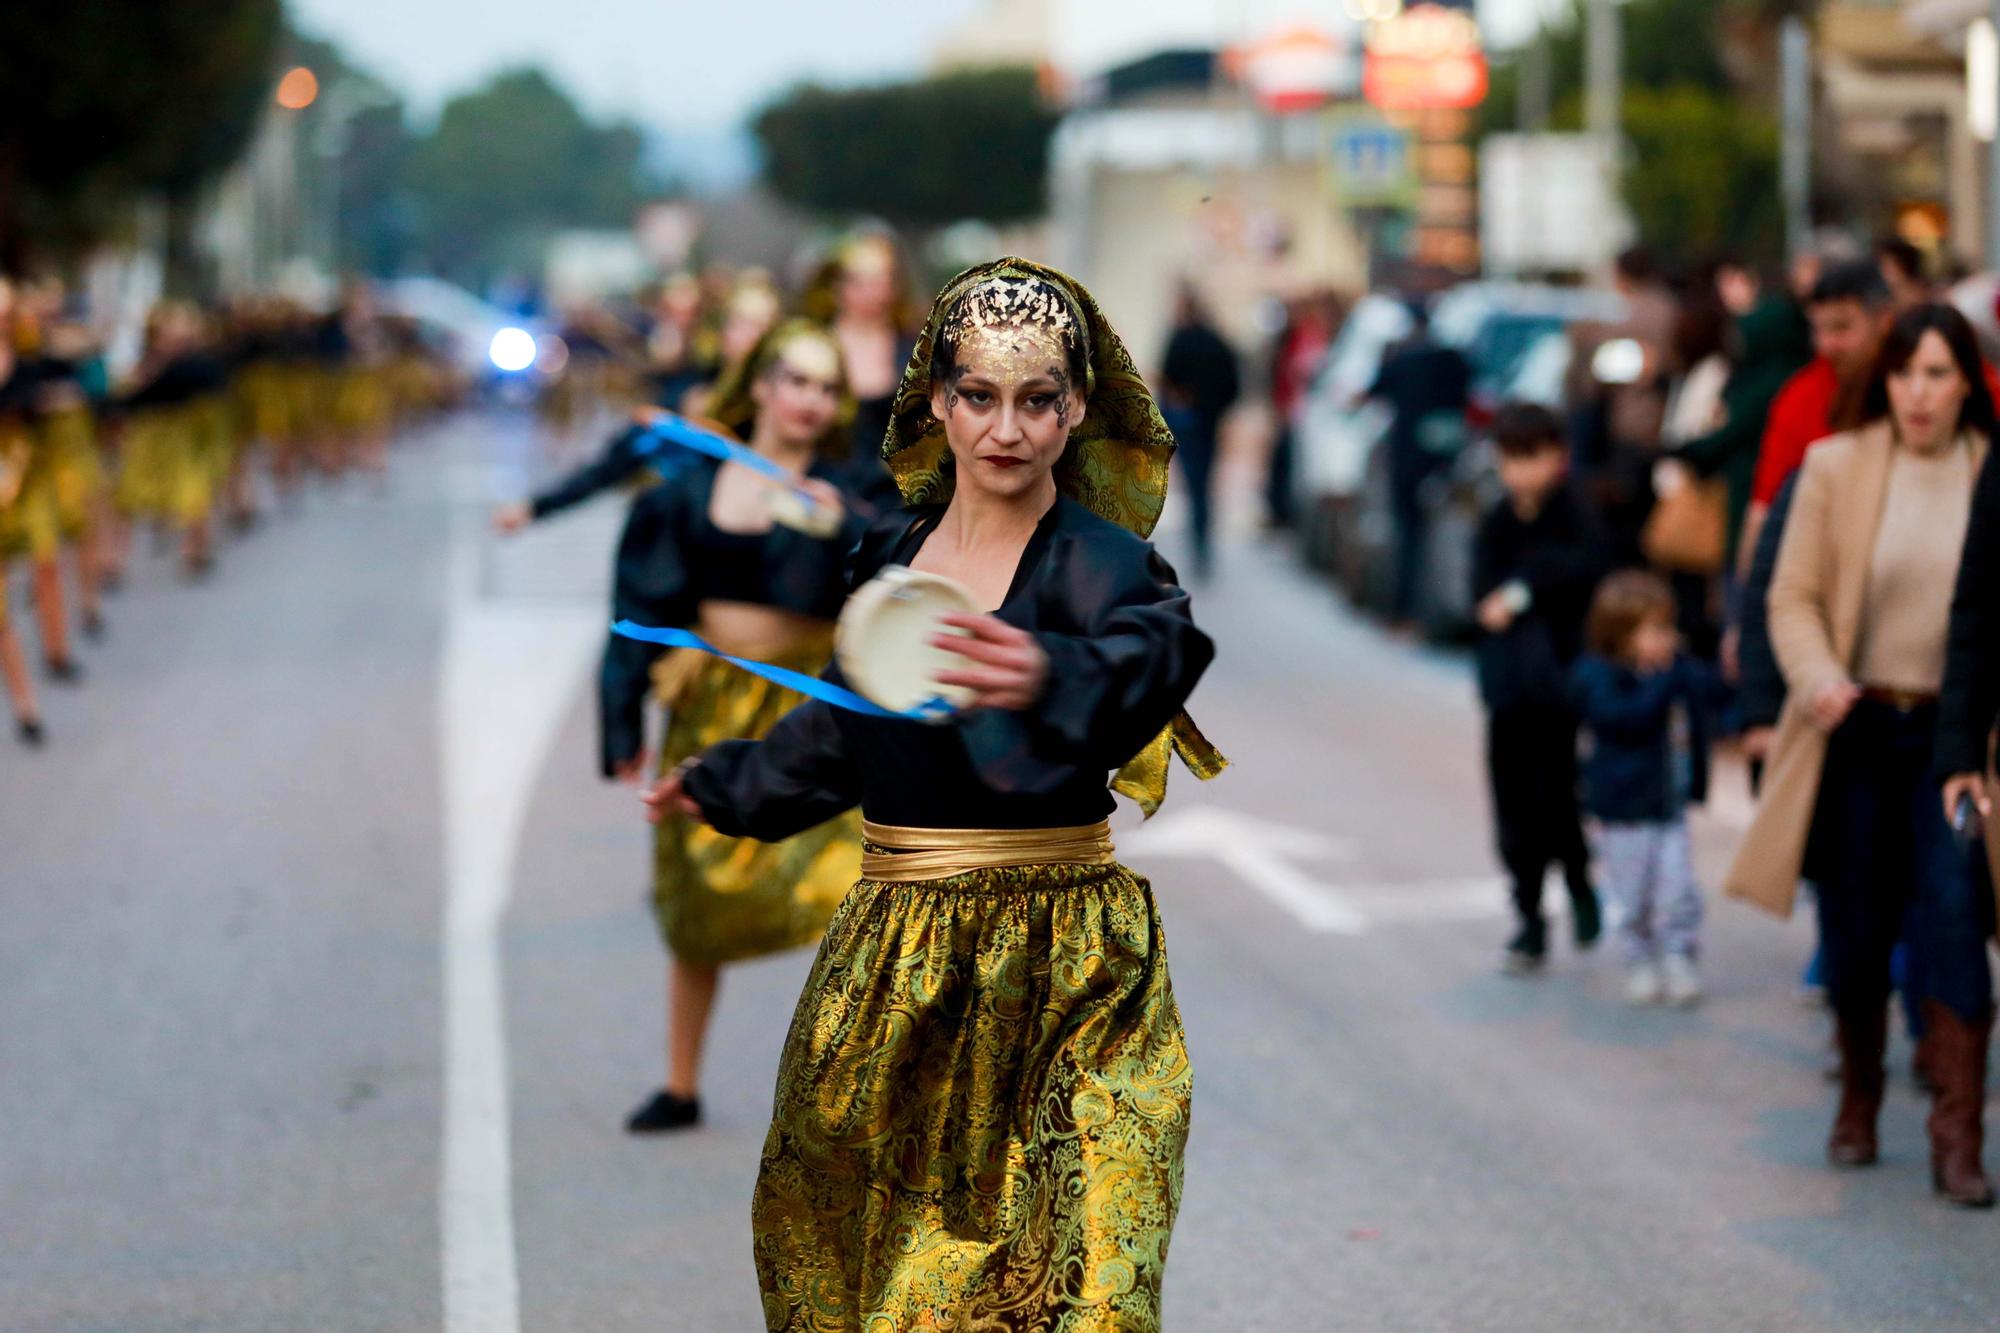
{"type": "Point", "coordinates": [508, 673]}
{"type": "Point", "coordinates": [1261, 854]}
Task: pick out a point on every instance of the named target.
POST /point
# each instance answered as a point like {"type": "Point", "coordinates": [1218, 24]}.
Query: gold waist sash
{"type": "Point", "coordinates": [937, 853]}
{"type": "Point", "coordinates": [806, 649]}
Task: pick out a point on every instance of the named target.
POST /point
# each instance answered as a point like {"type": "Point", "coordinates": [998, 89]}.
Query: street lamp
{"type": "Point", "coordinates": [297, 89]}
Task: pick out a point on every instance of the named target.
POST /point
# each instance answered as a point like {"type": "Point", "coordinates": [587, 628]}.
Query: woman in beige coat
{"type": "Point", "coordinates": [1858, 610]}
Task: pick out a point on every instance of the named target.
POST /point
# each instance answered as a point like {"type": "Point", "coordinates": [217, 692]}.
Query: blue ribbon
{"type": "Point", "coordinates": [934, 709]}
{"type": "Point", "coordinates": [671, 429]}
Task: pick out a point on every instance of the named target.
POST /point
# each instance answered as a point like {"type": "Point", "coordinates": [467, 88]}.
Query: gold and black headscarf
{"type": "Point", "coordinates": [734, 408]}
{"type": "Point", "coordinates": [1116, 462]}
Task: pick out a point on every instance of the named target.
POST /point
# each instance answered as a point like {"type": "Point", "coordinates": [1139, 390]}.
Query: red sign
{"type": "Point", "coordinates": [1404, 83]}
{"type": "Point", "coordinates": [1296, 69]}
{"type": "Point", "coordinates": [1426, 58]}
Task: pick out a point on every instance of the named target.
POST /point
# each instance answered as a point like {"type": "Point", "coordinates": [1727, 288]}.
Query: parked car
{"type": "Point", "coordinates": [1513, 334]}
{"type": "Point", "coordinates": [499, 353]}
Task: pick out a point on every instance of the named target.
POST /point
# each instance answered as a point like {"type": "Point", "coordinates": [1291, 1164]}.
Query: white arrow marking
{"type": "Point", "coordinates": [1260, 854]}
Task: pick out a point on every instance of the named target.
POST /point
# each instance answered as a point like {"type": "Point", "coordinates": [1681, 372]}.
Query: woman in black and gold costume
{"type": "Point", "coordinates": [703, 551]}
{"type": "Point", "coordinates": [17, 446]}
{"type": "Point", "coordinates": [983, 1101]}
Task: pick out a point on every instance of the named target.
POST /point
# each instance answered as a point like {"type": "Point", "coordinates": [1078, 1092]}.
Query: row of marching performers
{"type": "Point", "coordinates": [983, 1099]}
{"type": "Point", "coordinates": [175, 445]}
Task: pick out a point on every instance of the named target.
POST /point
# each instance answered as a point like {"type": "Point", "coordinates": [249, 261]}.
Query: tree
{"type": "Point", "coordinates": [101, 100]}
{"type": "Point", "coordinates": [1701, 177]}
{"type": "Point", "coordinates": [1667, 44]}
{"type": "Point", "coordinates": [511, 163]}
{"type": "Point", "coordinates": [967, 145]}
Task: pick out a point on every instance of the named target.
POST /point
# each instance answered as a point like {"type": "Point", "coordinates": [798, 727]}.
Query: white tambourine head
{"type": "Point", "coordinates": [789, 509]}
{"type": "Point", "coordinates": [883, 642]}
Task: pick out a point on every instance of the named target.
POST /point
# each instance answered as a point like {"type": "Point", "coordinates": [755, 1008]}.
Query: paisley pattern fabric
{"type": "Point", "coordinates": [981, 1112]}
{"type": "Point", "coordinates": [1116, 462]}
{"type": "Point", "coordinates": [719, 899]}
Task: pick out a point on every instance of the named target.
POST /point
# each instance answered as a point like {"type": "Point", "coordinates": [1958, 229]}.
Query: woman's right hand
{"type": "Point", "coordinates": [509, 519]}
{"type": "Point", "coordinates": [1961, 785]}
{"type": "Point", "coordinates": [1830, 707]}
{"type": "Point", "coordinates": [667, 797]}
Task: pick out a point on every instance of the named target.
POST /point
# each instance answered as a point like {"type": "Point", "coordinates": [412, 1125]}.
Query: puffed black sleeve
{"type": "Point", "coordinates": [1121, 666]}
{"type": "Point", "coordinates": [650, 586]}
{"type": "Point", "coordinates": [1969, 699]}
{"type": "Point", "coordinates": [620, 461]}
{"type": "Point", "coordinates": [797, 776]}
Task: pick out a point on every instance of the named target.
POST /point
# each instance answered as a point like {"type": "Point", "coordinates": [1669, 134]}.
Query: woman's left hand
{"type": "Point", "coordinates": [1009, 668]}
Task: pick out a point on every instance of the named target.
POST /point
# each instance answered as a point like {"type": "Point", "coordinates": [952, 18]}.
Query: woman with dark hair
{"type": "Point", "coordinates": [706, 550]}
{"type": "Point", "coordinates": [1859, 606]}
{"type": "Point", "coordinates": [983, 1103]}
{"type": "Point", "coordinates": [862, 294]}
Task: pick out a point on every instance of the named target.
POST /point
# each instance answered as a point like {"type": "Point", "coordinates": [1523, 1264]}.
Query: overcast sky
{"type": "Point", "coordinates": [687, 69]}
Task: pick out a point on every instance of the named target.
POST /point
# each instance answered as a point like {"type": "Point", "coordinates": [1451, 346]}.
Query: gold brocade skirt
{"type": "Point", "coordinates": [70, 437]}
{"type": "Point", "coordinates": [981, 1111]}
{"type": "Point", "coordinates": [361, 400]}
{"type": "Point", "coordinates": [263, 404]}
{"type": "Point", "coordinates": [33, 523]}
{"type": "Point", "coordinates": [721, 899]}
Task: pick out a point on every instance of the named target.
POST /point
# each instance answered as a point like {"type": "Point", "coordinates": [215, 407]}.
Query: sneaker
{"type": "Point", "coordinates": [1682, 982]}
{"type": "Point", "coordinates": [1642, 984]}
{"type": "Point", "coordinates": [664, 1112]}
{"type": "Point", "coordinates": [1527, 951]}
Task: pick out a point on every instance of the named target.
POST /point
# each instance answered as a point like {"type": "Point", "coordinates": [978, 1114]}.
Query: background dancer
{"type": "Point", "coordinates": [701, 551]}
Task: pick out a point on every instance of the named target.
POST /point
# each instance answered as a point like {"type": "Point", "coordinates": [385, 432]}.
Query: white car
{"type": "Point", "coordinates": [489, 346]}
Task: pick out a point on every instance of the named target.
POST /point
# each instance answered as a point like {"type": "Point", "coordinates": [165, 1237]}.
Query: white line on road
{"type": "Point", "coordinates": [1261, 854]}
{"type": "Point", "coordinates": [507, 674]}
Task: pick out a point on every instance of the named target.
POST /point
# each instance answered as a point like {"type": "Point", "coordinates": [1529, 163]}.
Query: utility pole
{"type": "Point", "coordinates": [1603, 76]}
{"type": "Point", "coordinates": [1531, 100]}
{"type": "Point", "coordinates": [1603, 44]}
{"type": "Point", "coordinates": [1795, 152]}
{"type": "Point", "coordinates": [1988, 93]}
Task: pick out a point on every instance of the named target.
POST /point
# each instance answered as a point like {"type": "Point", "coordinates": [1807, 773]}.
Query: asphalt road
{"type": "Point", "coordinates": [326, 979]}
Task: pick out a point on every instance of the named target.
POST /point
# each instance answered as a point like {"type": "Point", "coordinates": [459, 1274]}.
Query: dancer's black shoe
{"type": "Point", "coordinates": [664, 1112]}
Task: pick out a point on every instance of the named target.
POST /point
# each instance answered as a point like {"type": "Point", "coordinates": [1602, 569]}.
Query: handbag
{"type": "Point", "coordinates": [1688, 530]}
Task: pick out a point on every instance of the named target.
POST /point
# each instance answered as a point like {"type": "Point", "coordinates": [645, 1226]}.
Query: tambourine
{"type": "Point", "coordinates": [791, 507]}
{"type": "Point", "coordinates": [883, 639]}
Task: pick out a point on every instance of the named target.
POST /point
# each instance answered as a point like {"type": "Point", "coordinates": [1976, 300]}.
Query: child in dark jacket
{"type": "Point", "coordinates": [1535, 560]}
{"type": "Point", "coordinates": [1645, 711]}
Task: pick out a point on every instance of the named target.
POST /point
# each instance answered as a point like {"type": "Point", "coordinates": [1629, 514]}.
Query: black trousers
{"type": "Point", "coordinates": [1531, 764]}
{"type": "Point", "coordinates": [1888, 868]}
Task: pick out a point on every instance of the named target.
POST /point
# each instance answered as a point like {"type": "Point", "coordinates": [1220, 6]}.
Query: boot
{"type": "Point", "coordinates": [1958, 1131]}
{"type": "Point", "coordinates": [1863, 1033]}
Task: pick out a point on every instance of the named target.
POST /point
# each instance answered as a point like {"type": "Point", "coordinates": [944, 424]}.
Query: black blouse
{"type": "Point", "coordinates": [1124, 654]}
{"type": "Point", "coordinates": [672, 558]}
{"type": "Point", "coordinates": [621, 460]}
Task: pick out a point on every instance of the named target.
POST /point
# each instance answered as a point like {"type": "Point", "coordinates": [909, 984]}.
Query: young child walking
{"type": "Point", "coordinates": [1536, 558]}
{"type": "Point", "coordinates": [1645, 711]}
